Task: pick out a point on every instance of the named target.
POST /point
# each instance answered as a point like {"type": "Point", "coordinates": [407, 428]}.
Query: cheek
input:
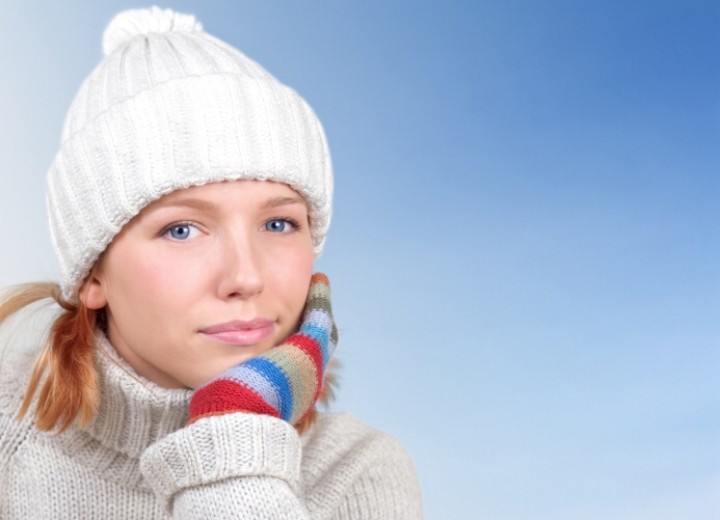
{"type": "Point", "coordinates": [146, 285]}
{"type": "Point", "coordinates": [291, 279]}
{"type": "Point", "coordinates": [300, 271]}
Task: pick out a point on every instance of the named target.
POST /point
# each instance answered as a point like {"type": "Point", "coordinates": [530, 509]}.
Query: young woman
{"type": "Point", "coordinates": [188, 200]}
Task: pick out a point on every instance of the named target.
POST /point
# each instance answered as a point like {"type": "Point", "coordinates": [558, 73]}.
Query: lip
{"type": "Point", "coordinates": [240, 332]}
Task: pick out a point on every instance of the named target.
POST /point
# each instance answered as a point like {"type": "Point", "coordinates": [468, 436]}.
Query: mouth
{"type": "Point", "coordinates": [240, 332]}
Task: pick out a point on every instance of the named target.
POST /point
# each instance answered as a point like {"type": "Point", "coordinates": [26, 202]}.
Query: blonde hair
{"type": "Point", "coordinates": [64, 376]}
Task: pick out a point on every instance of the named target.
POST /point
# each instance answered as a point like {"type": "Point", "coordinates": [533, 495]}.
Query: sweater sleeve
{"type": "Point", "coordinates": [254, 466]}
{"type": "Point", "coordinates": [229, 466]}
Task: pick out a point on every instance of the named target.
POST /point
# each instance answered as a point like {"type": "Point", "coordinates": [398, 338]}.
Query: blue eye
{"type": "Point", "coordinates": [280, 225]}
{"type": "Point", "coordinates": [179, 231]}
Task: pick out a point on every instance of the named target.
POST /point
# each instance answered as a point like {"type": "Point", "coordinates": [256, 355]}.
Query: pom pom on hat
{"type": "Point", "coordinates": [137, 22]}
{"type": "Point", "coordinates": [169, 107]}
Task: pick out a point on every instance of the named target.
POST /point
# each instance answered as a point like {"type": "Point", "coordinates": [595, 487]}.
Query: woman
{"type": "Point", "coordinates": [188, 200]}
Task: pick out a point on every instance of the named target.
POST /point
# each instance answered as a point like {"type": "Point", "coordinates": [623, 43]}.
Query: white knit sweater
{"type": "Point", "coordinates": [137, 460]}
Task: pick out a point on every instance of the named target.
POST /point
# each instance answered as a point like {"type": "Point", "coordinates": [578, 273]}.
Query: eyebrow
{"type": "Point", "coordinates": [274, 202]}
{"type": "Point", "coordinates": [205, 205]}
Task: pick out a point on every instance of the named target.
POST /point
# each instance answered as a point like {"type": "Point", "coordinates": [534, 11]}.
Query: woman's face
{"type": "Point", "coordinates": [205, 278]}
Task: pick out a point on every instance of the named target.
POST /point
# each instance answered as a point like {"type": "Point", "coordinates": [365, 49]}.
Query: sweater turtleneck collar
{"type": "Point", "coordinates": [132, 412]}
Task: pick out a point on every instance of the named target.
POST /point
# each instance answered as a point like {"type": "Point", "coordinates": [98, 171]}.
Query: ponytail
{"type": "Point", "coordinates": [64, 374]}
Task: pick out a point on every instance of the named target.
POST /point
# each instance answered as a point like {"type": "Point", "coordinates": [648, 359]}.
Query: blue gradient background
{"type": "Point", "coordinates": [524, 252]}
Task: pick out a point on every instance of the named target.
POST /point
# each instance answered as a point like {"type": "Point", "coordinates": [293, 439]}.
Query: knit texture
{"type": "Point", "coordinates": [136, 460]}
{"type": "Point", "coordinates": [284, 382]}
{"type": "Point", "coordinates": [168, 107]}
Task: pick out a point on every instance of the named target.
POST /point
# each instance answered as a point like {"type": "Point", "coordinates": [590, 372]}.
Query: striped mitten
{"type": "Point", "coordinates": [285, 381]}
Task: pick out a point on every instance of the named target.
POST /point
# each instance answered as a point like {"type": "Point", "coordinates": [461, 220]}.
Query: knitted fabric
{"type": "Point", "coordinates": [284, 382]}
{"type": "Point", "coordinates": [136, 460]}
{"type": "Point", "coordinates": [168, 107]}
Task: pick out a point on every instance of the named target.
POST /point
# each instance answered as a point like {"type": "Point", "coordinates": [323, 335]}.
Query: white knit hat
{"type": "Point", "coordinates": [169, 107]}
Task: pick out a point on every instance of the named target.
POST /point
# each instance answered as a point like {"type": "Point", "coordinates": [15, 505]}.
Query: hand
{"type": "Point", "coordinates": [285, 381]}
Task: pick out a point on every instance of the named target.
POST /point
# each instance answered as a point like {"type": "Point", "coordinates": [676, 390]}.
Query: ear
{"type": "Point", "coordinates": [92, 293]}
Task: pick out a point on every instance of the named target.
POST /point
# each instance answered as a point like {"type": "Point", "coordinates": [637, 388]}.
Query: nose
{"type": "Point", "coordinates": [240, 267]}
